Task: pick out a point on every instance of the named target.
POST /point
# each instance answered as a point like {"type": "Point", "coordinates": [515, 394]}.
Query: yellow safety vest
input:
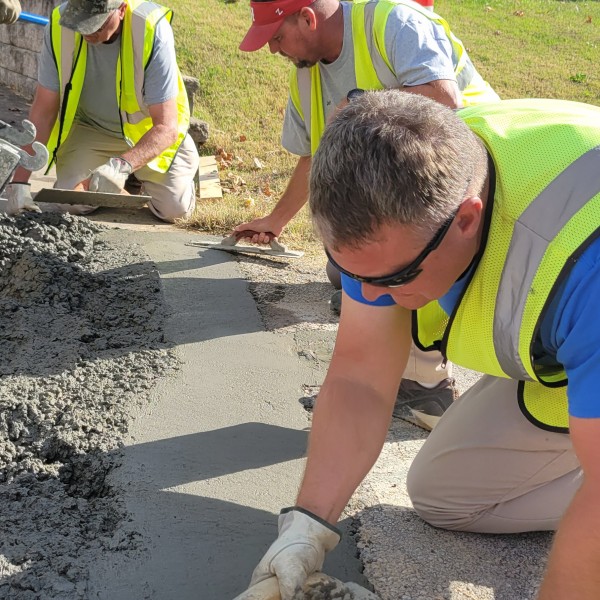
{"type": "Point", "coordinates": [137, 40]}
{"type": "Point", "coordinates": [545, 212]}
{"type": "Point", "coordinates": [372, 67]}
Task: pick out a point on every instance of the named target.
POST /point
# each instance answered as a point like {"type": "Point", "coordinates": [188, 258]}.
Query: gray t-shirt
{"type": "Point", "coordinates": [418, 49]}
{"type": "Point", "coordinates": [98, 103]}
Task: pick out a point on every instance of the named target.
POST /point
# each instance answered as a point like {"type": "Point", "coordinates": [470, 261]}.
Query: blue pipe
{"type": "Point", "coordinates": [31, 18]}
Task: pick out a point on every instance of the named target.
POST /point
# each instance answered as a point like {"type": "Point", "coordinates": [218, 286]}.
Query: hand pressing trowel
{"type": "Point", "coordinates": [318, 587]}
{"type": "Point", "coordinates": [230, 244]}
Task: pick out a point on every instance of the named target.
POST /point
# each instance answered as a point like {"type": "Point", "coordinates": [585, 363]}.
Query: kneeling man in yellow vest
{"type": "Point", "coordinates": [110, 102]}
{"type": "Point", "coordinates": [482, 241]}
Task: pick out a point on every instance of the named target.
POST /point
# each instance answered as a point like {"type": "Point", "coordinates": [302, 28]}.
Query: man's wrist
{"type": "Point", "coordinates": [279, 219]}
{"type": "Point", "coordinates": [314, 517]}
{"type": "Point", "coordinates": [125, 166]}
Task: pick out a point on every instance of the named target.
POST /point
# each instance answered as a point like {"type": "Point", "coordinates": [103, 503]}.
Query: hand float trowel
{"type": "Point", "coordinates": [230, 244]}
{"type": "Point", "coordinates": [318, 587]}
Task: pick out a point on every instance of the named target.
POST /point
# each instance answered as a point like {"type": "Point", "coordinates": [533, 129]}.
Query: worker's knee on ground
{"type": "Point", "coordinates": [170, 209]}
{"type": "Point", "coordinates": [433, 506]}
{"type": "Point", "coordinates": [171, 212]}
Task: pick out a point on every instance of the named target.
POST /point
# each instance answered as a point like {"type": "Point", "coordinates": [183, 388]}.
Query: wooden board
{"type": "Point", "coordinates": [209, 184]}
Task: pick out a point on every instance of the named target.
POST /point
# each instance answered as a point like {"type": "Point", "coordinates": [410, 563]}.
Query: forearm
{"type": "Point", "coordinates": [295, 195]}
{"type": "Point", "coordinates": [153, 143]}
{"type": "Point", "coordinates": [444, 91]}
{"type": "Point", "coordinates": [574, 566]}
{"type": "Point", "coordinates": [349, 428]}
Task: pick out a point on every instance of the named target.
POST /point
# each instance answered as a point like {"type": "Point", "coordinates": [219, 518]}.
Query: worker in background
{"type": "Point", "coordinates": [477, 232]}
{"type": "Point", "coordinates": [338, 47]}
{"type": "Point", "coordinates": [110, 102]}
{"type": "Point", "coordinates": [9, 11]}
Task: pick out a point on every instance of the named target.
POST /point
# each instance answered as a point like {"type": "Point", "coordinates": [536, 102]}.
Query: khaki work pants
{"type": "Point", "coordinates": [486, 468]}
{"type": "Point", "coordinates": [172, 193]}
{"type": "Point", "coordinates": [427, 368]}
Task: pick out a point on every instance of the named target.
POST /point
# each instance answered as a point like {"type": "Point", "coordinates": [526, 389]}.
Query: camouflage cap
{"type": "Point", "coordinates": [87, 16]}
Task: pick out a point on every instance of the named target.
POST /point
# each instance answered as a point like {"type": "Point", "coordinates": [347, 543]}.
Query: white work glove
{"type": "Point", "coordinates": [19, 199]}
{"type": "Point", "coordinates": [298, 552]}
{"type": "Point", "coordinates": [9, 11]}
{"type": "Point", "coordinates": [111, 176]}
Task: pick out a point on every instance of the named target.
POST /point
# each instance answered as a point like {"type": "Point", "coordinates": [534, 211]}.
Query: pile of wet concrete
{"type": "Point", "coordinates": [81, 344]}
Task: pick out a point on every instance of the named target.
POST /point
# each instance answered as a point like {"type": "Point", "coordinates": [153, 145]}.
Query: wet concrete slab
{"type": "Point", "coordinates": [219, 450]}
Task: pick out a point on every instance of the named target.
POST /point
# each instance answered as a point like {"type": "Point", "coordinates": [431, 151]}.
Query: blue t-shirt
{"type": "Point", "coordinates": [569, 333]}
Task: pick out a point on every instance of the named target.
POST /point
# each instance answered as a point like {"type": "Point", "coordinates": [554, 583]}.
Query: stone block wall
{"type": "Point", "coordinates": [20, 45]}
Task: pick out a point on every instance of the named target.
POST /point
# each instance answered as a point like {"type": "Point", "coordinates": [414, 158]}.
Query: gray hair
{"type": "Point", "coordinates": [392, 157]}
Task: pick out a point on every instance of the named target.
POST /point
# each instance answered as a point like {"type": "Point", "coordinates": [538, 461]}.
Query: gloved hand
{"type": "Point", "coordinates": [297, 552]}
{"type": "Point", "coordinates": [111, 176]}
{"type": "Point", "coordinates": [19, 199]}
{"type": "Point", "coordinates": [9, 11]}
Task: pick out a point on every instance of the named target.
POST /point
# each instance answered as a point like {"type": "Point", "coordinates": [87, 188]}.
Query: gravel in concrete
{"type": "Point", "coordinates": [81, 329]}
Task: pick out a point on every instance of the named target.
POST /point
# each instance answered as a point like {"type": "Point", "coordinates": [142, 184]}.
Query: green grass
{"type": "Point", "coordinates": [547, 52]}
{"type": "Point", "coordinates": [526, 48]}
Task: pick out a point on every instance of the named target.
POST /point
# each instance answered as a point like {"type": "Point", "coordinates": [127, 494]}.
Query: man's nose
{"type": "Point", "coordinates": [273, 47]}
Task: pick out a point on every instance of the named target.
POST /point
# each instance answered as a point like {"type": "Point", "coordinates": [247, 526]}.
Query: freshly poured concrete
{"type": "Point", "coordinates": [216, 454]}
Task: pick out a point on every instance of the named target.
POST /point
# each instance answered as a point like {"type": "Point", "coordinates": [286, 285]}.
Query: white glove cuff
{"type": "Point", "coordinates": [298, 517]}
{"type": "Point", "coordinates": [121, 165]}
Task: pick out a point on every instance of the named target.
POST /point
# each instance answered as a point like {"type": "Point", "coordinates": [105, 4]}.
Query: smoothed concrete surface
{"type": "Point", "coordinates": [218, 452]}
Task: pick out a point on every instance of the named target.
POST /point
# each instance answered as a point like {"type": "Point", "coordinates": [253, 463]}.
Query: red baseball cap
{"type": "Point", "coordinates": [267, 18]}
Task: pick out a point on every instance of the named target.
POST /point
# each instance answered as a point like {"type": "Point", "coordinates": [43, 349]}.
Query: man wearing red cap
{"type": "Point", "coordinates": [338, 48]}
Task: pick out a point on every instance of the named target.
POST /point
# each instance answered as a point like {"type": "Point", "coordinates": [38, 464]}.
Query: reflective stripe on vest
{"type": "Point", "coordinates": [540, 224]}
{"type": "Point", "coordinates": [137, 41]}
{"type": "Point", "coordinates": [546, 210]}
{"type": "Point", "coordinates": [70, 55]}
{"type": "Point", "coordinates": [372, 67]}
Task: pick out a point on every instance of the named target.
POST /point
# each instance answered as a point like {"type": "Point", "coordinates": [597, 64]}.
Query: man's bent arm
{"type": "Point", "coordinates": [444, 91]}
{"type": "Point", "coordinates": [354, 407]}
{"type": "Point", "coordinates": [156, 140]}
{"type": "Point", "coordinates": [290, 203]}
{"type": "Point", "coordinates": [296, 193]}
{"type": "Point", "coordinates": [42, 114]}
{"type": "Point", "coordinates": [574, 566]}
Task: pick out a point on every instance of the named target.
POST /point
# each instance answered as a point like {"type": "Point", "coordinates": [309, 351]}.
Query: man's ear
{"type": "Point", "coordinates": [308, 17]}
{"type": "Point", "coordinates": [469, 216]}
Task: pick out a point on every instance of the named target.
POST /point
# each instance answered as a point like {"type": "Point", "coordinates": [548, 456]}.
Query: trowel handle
{"type": "Point", "coordinates": [31, 18]}
{"type": "Point", "coordinates": [236, 236]}
{"type": "Point", "coordinates": [248, 233]}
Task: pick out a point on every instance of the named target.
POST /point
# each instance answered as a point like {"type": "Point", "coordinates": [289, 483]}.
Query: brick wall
{"type": "Point", "coordinates": [20, 44]}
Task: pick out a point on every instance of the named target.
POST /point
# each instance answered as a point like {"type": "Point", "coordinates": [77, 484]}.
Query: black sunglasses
{"type": "Point", "coordinates": [408, 273]}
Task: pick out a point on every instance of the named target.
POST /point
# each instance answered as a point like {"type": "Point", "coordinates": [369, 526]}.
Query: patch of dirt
{"type": "Point", "coordinates": [292, 295]}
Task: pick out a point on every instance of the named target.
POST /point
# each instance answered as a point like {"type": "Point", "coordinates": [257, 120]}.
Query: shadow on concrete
{"type": "Point", "coordinates": [212, 545]}
{"type": "Point", "coordinates": [217, 452]}
{"type": "Point", "coordinates": [199, 547]}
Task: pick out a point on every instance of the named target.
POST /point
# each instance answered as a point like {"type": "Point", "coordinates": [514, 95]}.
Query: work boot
{"type": "Point", "coordinates": [422, 406]}
{"type": "Point", "coordinates": [133, 185]}
{"type": "Point", "coordinates": [335, 302]}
